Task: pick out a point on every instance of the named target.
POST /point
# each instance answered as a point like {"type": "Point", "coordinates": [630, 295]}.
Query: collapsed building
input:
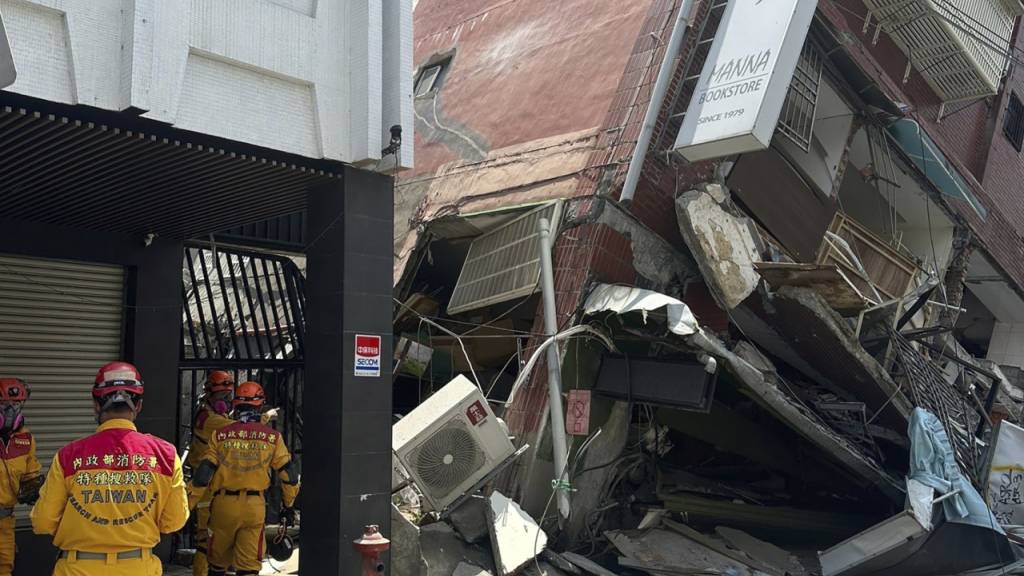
{"type": "Point", "coordinates": [775, 320]}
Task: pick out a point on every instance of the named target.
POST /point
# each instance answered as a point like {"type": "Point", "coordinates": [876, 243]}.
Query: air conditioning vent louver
{"type": "Point", "coordinates": [450, 442]}
{"type": "Point", "coordinates": [503, 264]}
{"type": "Point", "coordinates": [447, 458]}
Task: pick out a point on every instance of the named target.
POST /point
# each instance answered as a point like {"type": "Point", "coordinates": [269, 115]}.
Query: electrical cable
{"type": "Point", "coordinates": [450, 333]}
{"type": "Point", "coordinates": [554, 489]}
{"type": "Point", "coordinates": [1008, 54]}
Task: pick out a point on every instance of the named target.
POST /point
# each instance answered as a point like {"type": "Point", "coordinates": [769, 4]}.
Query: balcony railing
{"type": "Point", "coordinates": [960, 47]}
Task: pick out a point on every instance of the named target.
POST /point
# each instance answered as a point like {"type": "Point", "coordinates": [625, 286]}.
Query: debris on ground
{"type": "Point", "coordinates": [470, 519]}
{"type": "Point", "coordinates": [465, 569]}
{"type": "Point", "coordinates": [444, 550]}
{"type": "Point", "coordinates": [516, 538]}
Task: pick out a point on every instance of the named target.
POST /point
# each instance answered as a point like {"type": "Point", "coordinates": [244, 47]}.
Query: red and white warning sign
{"type": "Point", "coordinates": [367, 355]}
{"type": "Point", "coordinates": [577, 417]}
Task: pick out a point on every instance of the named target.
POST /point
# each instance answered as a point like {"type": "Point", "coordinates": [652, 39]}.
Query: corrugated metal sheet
{"type": "Point", "coordinates": [82, 168]}
{"type": "Point", "coordinates": [59, 322]}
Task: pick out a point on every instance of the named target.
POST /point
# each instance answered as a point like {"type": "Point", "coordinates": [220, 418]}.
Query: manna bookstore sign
{"type": "Point", "coordinates": [743, 85]}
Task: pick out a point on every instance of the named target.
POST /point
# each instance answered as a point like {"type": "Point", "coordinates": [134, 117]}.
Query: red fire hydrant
{"type": "Point", "coordinates": [370, 547]}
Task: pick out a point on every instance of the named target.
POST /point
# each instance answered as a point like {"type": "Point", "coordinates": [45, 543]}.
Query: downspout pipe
{"type": "Point", "coordinates": [661, 84]}
{"type": "Point", "coordinates": [559, 442]}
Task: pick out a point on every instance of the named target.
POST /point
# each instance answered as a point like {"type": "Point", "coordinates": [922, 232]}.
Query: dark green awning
{"type": "Point", "coordinates": [925, 154]}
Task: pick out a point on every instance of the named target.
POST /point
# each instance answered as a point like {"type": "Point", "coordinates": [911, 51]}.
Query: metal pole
{"type": "Point", "coordinates": [558, 442]}
{"type": "Point", "coordinates": [661, 85]}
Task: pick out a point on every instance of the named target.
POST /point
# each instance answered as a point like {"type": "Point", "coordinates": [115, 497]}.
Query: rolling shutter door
{"type": "Point", "coordinates": [59, 322]}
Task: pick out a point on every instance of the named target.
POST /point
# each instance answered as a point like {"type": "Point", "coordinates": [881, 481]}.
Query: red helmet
{"type": "Point", "coordinates": [13, 390]}
{"type": "Point", "coordinates": [219, 381]}
{"type": "Point", "coordinates": [117, 377]}
{"type": "Point", "coordinates": [249, 394]}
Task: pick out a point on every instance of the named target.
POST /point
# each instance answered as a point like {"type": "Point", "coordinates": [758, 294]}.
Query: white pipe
{"type": "Point", "coordinates": [558, 440]}
{"type": "Point", "coordinates": [661, 84]}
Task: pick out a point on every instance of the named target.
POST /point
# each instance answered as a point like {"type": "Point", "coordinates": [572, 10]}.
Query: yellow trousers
{"type": "Point", "coordinates": [236, 534]}
{"type": "Point", "coordinates": [148, 566]}
{"type": "Point", "coordinates": [6, 546]}
{"type": "Point", "coordinates": [199, 563]}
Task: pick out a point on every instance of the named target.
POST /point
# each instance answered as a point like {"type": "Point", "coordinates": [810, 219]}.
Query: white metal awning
{"type": "Point", "coordinates": [960, 47]}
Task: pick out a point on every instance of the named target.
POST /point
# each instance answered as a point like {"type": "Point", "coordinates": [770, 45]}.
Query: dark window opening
{"type": "Point", "coordinates": [1013, 124]}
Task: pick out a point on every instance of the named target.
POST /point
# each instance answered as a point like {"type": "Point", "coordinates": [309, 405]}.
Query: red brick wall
{"type": "Point", "coordinates": [970, 134]}
{"type": "Point", "coordinates": [595, 252]}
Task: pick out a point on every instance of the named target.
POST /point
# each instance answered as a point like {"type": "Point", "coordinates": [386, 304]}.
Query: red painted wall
{"type": "Point", "coordinates": [522, 69]}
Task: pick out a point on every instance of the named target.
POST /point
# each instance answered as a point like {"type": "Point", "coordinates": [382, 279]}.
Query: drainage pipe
{"type": "Point", "coordinates": [675, 43]}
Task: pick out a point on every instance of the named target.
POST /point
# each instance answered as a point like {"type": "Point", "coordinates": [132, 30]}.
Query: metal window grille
{"type": "Point", "coordinates": [1013, 122]}
{"type": "Point", "coordinates": [797, 119]}
{"type": "Point", "coordinates": [929, 390]}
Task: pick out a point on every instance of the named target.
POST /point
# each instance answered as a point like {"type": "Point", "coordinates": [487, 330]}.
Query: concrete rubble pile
{"type": "Point", "coordinates": [824, 428]}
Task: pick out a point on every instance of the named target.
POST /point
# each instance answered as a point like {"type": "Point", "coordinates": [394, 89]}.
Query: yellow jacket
{"type": "Point", "coordinates": [18, 457]}
{"type": "Point", "coordinates": [241, 454]}
{"type": "Point", "coordinates": [113, 491]}
{"type": "Point", "coordinates": [207, 422]}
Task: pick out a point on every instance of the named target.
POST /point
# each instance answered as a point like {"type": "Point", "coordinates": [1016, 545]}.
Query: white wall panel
{"type": "Point", "coordinates": [319, 78]}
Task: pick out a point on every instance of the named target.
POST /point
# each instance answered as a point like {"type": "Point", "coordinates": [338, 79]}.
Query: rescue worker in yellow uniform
{"type": "Point", "coordinates": [21, 476]}
{"type": "Point", "coordinates": [211, 416]}
{"type": "Point", "coordinates": [235, 470]}
{"type": "Point", "coordinates": [108, 497]}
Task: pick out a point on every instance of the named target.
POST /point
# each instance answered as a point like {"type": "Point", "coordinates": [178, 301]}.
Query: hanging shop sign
{"type": "Point", "coordinates": [739, 96]}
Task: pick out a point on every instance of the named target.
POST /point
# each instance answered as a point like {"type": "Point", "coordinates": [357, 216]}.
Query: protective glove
{"type": "Point", "coordinates": [287, 516]}
{"type": "Point", "coordinates": [28, 492]}
{"type": "Point", "coordinates": [268, 416]}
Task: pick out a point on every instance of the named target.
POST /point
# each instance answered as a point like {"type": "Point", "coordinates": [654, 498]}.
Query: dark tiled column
{"type": "Point", "coordinates": [346, 419]}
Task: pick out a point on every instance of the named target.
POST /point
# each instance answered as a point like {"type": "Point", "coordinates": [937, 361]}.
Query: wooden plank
{"type": "Point", "coordinates": [825, 279]}
{"type": "Point", "coordinates": [891, 272]}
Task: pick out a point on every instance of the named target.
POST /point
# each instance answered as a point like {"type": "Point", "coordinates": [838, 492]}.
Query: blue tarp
{"type": "Point", "coordinates": [933, 463]}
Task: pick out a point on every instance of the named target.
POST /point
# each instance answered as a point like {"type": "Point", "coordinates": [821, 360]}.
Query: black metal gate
{"type": "Point", "coordinates": [243, 312]}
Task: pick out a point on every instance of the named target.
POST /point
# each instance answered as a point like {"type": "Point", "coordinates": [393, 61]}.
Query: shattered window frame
{"type": "Point", "coordinates": [428, 78]}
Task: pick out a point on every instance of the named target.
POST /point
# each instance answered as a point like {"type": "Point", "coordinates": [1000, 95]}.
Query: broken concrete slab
{"type": "Point", "coordinates": [406, 554]}
{"type": "Point", "coordinates": [722, 245]}
{"type": "Point", "coordinates": [808, 326]}
{"type": "Point", "coordinates": [665, 551]}
{"type": "Point", "coordinates": [516, 538]}
{"type": "Point", "coordinates": [444, 550]}
{"type": "Point", "coordinates": [717, 192]}
{"type": "Point", "coordinates": [828, 280]}
{"type": "Point", "coordinates": [722, 548]}
{"type": "Point", "coordinates": [587, 565]}
{"type": "Point", "coordinates": [542, 569]}
{"type": "Point", "coordinates": [556, 560]}
{"type": "Point", "coordinates": [655, 259]}
{"type": "Point", "coordinates": [465, 569]}
{"type": "Point", "coordinates": [764, 552]}
{"type": "Point", "coordinates": [589, 484]}
{"type": "Point", "coordinates": [470, 519]}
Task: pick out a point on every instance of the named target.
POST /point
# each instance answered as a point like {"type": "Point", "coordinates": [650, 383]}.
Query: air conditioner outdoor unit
{"type": "Point", "coordinates": [450, 442]}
